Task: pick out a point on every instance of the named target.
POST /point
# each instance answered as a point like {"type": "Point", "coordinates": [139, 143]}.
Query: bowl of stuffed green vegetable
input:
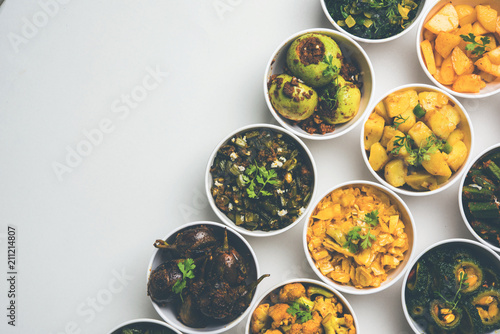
{"type": "Point", "coordinates": [144, 326]}
{"type": "Point", "coordinates": [373, 21]}
{"type": "Point", "coordinates": [260, 180]}
{"type": "Point", "coordinates": [453, 287]}
{"type": "Point", "coordinates": [479, 197]}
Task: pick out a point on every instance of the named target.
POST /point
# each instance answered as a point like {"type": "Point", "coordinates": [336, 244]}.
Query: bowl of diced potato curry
{"type": "Point", "coordinates": [417, 140]}
{"type": "Point", "coordinates": [458, 46]}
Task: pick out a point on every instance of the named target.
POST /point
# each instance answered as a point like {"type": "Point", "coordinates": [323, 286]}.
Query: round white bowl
{"type": "Point", "coordinates": [470, 138]}
{"type": "Point", "coordinates": [394, 275]}
{"type": "Point", "coordinates": [490, 149]}
{"type": "Point", "coordinates": [492, 87]}
{"type": "Point", "coordinates": [144, 320]}
{"type": "Point", "coordinates": [306, 281]}
{"type": "Point", "coordinates": [471, 244]}
{"type": "Point", "coordinates": [376, 40]}
{"type": "Point", "coordinates": [208, 181]}
{"type": "Point", "coordinates": [350, 48]}
{"type": "Point", "coordinates": [168, 312]}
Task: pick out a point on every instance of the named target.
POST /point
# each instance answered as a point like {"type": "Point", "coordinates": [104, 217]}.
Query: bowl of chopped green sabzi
{"type": "Point", "coordinates": [260, 180]}
{"type": "Point", "coordinates": [373, 21]}
{"type": "Point", "coordinates": [479, 197]}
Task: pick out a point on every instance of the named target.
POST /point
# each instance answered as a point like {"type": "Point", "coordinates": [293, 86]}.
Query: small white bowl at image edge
{"type": "Point", "coordinates": [374, 40]}
{"type": "Point", "coordinates": [493, 148]}
{"type": "Point", "coordinates": [348, 46]}
{"type": "Point", "coordinates": [410, 230]}
{"type": "Point", "coordinates": [492, 87]}
{"type": "Point", "coordinates": [168, 312]}
{"type": "Point", "coordinates": [466, 243]}
{"type": "Point", "coordinates": [208, 180]}
{"type": "Point", "coordinates": [469, 137]}
{"type": "Point", "coordinates": [337, 294]}
{"type": "Point", "coordinates": [144, 321]}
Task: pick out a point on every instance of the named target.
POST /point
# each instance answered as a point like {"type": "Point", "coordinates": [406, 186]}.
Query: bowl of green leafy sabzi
{"type": "Point", "coordinates": [479, 197]}
{"type": "Point", "coordinates": [260, 180]}
{"type": "Point", "coordinates": [453, 287]}
{"type": "Point", "coordinates": [144, 326]}
{"type": "Point", "coordinates": [373, 21]}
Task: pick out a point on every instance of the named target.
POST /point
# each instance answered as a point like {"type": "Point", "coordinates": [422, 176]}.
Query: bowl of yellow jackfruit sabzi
{"type": "Point", "coordinates": [417, 140]}
{"type": "Point", "coordinates": [458, 46]}
{"type": "Point", "coordinates": [302, 306]}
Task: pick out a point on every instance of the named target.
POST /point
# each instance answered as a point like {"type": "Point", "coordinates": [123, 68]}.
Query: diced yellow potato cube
{"type": "Point", "coordinates": [487, 16]}
{"type": "Point", "coordinates": [487, 77]}
{"type": "Point", "coordinates": [455, 136]}
{"type": "Point", "coordinates": [436, 164]}
{"type": "Point", "coordinates": [428, 54]}
{"type": "Point", "coordinates": [395, 172]}
{"type": "Point", "coordinates": [388, 134]}
{"type": "Point", "coordinates": [440, 124]}
{"type": "Point", "coordinates": [464, 30]}
{"type": "Point", "coordinates": [396, 103]}
{"type": "Point", "coordinates": [438, 59]}
{"type": "Point", "coordinates": [461, 63]}
{"type": "Point", "coordinates": [495, 70]}
{"type": "Point", "coordinates": [421, 181]}
{"type": "Point", "coordinates": [451, 113]}
{"type": "Point", "coordinates": [429, 35]}
{"type": "Point", "coordinates": [466, 14]}
{"type": "Point", "coordinates": [446, 19]}
{"type": "Point", "coordinates": [378, 157]}
{"type": "Point", "coordinates": [445, 42]}
{"type": "Point", "coordinates": [468, 83]}
{"type": "Point", "coordinates": [484, 64]}
{"type": "Point", "coordinates": [380, 109]}
{"type": "Point", "coordinates": [478, 29]}
{"type": "Point", "coordinates": [494, 55]}
{"type": "Point", "coordinates": [409, 119]}
{"type": "Point", "coordinates": [457, 156]}
{"type": "Point", "coordinates": [419, 133]}
{"type": "Point", "coordinates": [447, 72]}
{"type": "Point", "coordinates": [432, 100]}
{"type": "Point", "coordinates": [374, 127]}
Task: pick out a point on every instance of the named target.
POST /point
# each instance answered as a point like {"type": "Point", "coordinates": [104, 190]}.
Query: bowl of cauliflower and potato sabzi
{"type": "Point", "coordinates": [417, 140]}
{"type": "Point", "coordinates": [302, 306]}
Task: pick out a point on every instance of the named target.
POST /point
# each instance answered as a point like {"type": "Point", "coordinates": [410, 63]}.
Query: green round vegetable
{"type": "Point", "coordinates": [469, 271]}
{"type": "Point", "coordinates": [309, 56]}
{"type": "Point", "coordinates": [444, 315]}
{"type": "Point", "coordinates": [345, 98]}
{"type": "Point", "coordinates": [291, 98]}
{"type": "Point", "coordinates": [484, 309]}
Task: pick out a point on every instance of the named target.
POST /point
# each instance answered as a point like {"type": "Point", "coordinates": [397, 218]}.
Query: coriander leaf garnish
{"type": "Point", "coordinates": [402, 141]}
{"type": "Point", "coordinates": [371, 218]}
{"type": "Point", "coordinates": [331, 70]}
{"type": "Point", "coordinates": [186, 267]}
{"type": "Point", "coordinates": [477, 48]}
{"type": "Point", "coordinates": [262, 178]}
{"type": "Point", "coordinates": [352, 236]}
{"type": "Point", "coordinates": [367, 239]}
{"type": "Point", "coordinates": [302, 315]}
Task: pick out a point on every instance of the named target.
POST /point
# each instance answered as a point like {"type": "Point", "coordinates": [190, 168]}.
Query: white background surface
{"type": "Point", "coordinates": [77, 232]}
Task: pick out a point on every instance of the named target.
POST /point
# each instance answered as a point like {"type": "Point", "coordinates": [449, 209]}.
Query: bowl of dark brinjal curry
{"type": "Point", "coordinates": [203, 277]}
{"type": "Point", "coordinates": [260, 180]}
{"type": "Point", "coordinates": [302, 306]}
{"type": "Point", "coordinates": [144, 326]}
{"type": "Point", "coordinates": [453, 287]}
{"type": "Point", "coordinates": [479, 197]}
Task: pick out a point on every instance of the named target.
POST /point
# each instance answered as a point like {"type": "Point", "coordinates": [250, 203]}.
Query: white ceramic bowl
{"type": "Point", "coordinates": [377, 40]}
{"type": "Point", "coordinates": [462, 202]}
{"type": "Point", "coordinates": [485, 253]}
{"type": "Point", "coordinates": [492, 87]}
{"type": "Point", "coordinates": [349, 48]}
{"type": "Point", "coordinates": [208, 180]}
{"type": "Point", "coordinates": [144, 321]}
{"type": "Point", "coordinates": [410, 230]}
{"type": "Point", "coordinates": [168, 312]}
{"type": "Point", "coordinates": [276, 288]}
{"type": "Point", "coordinates": [468, 139]}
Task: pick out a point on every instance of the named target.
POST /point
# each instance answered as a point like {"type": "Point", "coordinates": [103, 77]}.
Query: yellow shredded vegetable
{"type": "Point", "coordinates": [351, 247]}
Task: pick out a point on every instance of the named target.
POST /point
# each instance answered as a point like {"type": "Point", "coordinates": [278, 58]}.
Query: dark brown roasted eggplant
{"type": "Point", "coordinates": [192, 242]}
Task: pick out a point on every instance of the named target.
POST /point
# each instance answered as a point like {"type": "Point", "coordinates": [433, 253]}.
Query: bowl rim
{"type": "Point", "coordinates": [421, 61]}
{"type": "Point", "coordinates": [475, 243]}
{"type": "Point", "coordinates": [330, 33]}
{"type": "Point", "coordinates": [337, 293]}
{"type": "Point", "coordinates": [208, 181]}
{"type": "Point", "coordinates": [181, 327]}
{"type": "Point", "coordinates": [460, 204]}
{"type": "Point", "coordinates": [388, 282]}
{"type": "Point", "coordinates": [454, 178]}
{"type": "Point", "coordinates": [374, 40]}
{"type": "Point", "coordinates": [147, 320]}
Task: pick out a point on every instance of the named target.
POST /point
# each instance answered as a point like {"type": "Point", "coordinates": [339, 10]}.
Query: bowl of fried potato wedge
{"type": "Point", "coordinates": [458, 46]}
{"type": "Point", "coordinates": [417, 140]}
{"type": "Point", "coordinates": [359, 237]}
